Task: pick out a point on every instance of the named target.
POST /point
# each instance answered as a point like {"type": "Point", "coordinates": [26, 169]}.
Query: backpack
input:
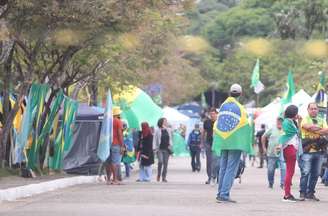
{"type": "Point", "coordinates": [195, 138]}
{"type": "Point", "coordinates": [241, 169]}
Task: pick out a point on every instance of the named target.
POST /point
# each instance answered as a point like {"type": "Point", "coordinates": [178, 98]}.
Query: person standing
{"type": "Point", "coordinates": [194, 142]}
{"type": "Point", "coordinates": [259, 135]}
{"type": "Point", "coordinates": [162, 143]}
{"type": "Point", "coordinates": [233, 135]}
{"type": "Point", "coordinates": [117, 148]}
{"type": "Point", "coordinates": [129, 154]}
{"type": "Point", "coordinates": [312, 127]}
{"type": "Point", "coordinates": [208, 137]}
{"type": "Point", "coordinates": [291, 146]}
{"type": "Point", "coordinates": [273, 152]}
{"type": "Point", "coordinates": [146, 153]}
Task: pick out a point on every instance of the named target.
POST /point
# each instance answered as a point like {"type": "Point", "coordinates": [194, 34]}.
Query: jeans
{"type": "Point", "coordinates": [209, 161]}
{"type": "Point", "coordinates": [261, 155]}
{"type": "Point", "coordinates": [127, 169]}
{"type": "Point", "coordinates": [272, 165]}
{"type": "Point", "coordinates": [325, 176]}
{"type": "Point", "coordinates": [228, 169]}
{"type": "Point", "coordinates": [310, 171]}
{"type": "Point", "coordinates": [215, 165]}
{"type": "Point", "coordinates": [195, 159]}
{"type": "Point", "coordinates": [145, 173]}
{"type": "Point", "coordinates": [163, 160]}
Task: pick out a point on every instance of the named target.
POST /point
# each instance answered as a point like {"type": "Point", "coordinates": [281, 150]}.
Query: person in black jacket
{"type": "Point", "coordinates": [146, 153]}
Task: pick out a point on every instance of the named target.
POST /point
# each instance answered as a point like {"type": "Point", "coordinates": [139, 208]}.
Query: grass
{"type": "Point", "coordinates": [5, 172]}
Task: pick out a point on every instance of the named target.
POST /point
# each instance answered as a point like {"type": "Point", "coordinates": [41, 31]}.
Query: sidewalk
{"type": "Point", "coordinates": [15, 187]}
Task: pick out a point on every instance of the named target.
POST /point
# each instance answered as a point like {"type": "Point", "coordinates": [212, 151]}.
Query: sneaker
{"type": "Point", "coordinates": [224, 200]}
{"type": "Point", "coordinates": [208, 181]}
{"type": "Point", "coordinates": [164, 180]}
{"type": "Point", "coordinates": [312, 197]}
{"type": "Point", "coordinates": [302, 197]}
{"type": "Point", "coordinates": [290, 198]}
{"type": "Point", "coordinates": [213, 182]}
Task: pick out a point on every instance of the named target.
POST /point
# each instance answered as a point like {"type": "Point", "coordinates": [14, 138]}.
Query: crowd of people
{"type": "Point", "coordinates": [291, 139]}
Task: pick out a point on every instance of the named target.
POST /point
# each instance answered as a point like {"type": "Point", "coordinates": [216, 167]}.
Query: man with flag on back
{"type": "Point", "coordinates": [233, 135]}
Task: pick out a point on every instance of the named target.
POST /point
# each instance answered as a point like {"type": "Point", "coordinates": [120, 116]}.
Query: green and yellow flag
{"type": "Point", "coordinates": [232, 130]}
{"type": "Point", "coordinates": [290, 89]}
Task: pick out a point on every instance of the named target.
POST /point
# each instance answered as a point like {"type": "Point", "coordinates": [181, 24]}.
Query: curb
{"type": "Point", "coordinates": [12, 194]}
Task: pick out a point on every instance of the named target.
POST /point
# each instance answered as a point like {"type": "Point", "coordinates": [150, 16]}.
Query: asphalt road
{"type": "Point", "coordinates": [184, 194]}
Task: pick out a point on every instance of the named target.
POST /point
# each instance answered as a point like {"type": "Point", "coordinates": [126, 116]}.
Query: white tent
{"type": "Point", "coordinates": [270, 112]}
{"type": "Point", "coordinates": [174, 117]}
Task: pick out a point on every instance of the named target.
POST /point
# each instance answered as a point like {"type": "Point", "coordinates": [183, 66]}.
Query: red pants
{"type": "Point", "coordinates": [290, 158]}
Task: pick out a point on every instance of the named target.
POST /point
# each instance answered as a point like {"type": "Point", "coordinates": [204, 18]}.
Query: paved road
{"type": "Point", "coordinates": [184, 194]}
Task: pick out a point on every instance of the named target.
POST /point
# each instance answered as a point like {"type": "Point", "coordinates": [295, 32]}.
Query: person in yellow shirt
{"type": "Point", "coordinates": [313, 129]}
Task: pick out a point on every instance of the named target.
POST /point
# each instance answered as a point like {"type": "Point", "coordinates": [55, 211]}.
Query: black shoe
{"type": "Point", "coordinates": [312, 197]}
{"type": "Point", "coordinates": [290, 198]}
{"type": "Point", "coordinates": [208, 181]}
{"type": "Point", "coordinates": [271, 186]}
{"type": "Point", "coordinates": [224, 200]}
{"type": "Point", "coordinates": [302, 197]}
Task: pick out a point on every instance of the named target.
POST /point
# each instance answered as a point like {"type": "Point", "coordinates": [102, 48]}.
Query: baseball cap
{"type": "Point", "coordinates": [235, 88]}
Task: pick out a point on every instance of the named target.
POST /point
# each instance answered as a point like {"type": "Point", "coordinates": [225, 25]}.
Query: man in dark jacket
{"type": "Point", "coordinates": [194, 142]}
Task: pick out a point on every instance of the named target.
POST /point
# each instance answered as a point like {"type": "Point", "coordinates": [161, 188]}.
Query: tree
{"type": "Point", "coordinates": [64, 42]}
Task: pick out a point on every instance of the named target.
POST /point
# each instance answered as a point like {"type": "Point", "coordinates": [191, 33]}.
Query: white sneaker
{"type": "Point", "coordinates": [213, 182]}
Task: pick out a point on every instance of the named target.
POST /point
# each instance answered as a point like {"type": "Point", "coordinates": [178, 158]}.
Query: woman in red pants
{"type": "Point", "coordinates": [290, 144]}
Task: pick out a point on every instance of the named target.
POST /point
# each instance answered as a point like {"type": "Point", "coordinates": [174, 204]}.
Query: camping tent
{"type": "Point", "coordinates": [192, 107]}
{"type": "Point", "coordinates": [82, 158]}
{"type": "Point", "coordinates": [174, 117]}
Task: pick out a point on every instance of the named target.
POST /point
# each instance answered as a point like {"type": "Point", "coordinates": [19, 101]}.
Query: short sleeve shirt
{"type": "Point", "coordinates": [117, 132]}
{"type": "Point", "coordinates": [273, 136]}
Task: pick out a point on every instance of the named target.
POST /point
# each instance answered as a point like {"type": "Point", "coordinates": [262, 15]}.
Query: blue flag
{"type": "Point", "coordinates": [106, 134]}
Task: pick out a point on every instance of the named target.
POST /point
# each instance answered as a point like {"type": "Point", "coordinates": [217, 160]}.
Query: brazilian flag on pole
{"type": "Point", "coordinates": [64, 137]}
{"type": "Point", "coordinates": [232, 128]}
{"type": "Point", "coordinates": [320, 94]}
{"type": "Point", "coordinates": [256, 82]}
{"type": "Point", "coordinates": [106, 133]}
{"type": "Point", "coordinates": [290, 89]}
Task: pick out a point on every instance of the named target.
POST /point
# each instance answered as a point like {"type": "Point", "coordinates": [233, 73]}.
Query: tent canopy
{"type": "Point", "coordinates": [192, 107]}
{"type": "Point", "coordinates": [174, 116]}
{"type": "Point", "coordinates": [86, 113]}
{"type": "Point", "coordinates": [270, 113]}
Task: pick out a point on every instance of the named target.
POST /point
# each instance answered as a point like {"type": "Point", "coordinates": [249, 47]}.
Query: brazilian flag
{"type": "Point", "coordinates": [232, 130]}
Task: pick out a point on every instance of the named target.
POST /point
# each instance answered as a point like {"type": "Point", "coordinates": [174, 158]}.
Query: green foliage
{"type": "Point", "coordinates": [236, 23]}
{"type": "Point", "coordinates": [274, 68]}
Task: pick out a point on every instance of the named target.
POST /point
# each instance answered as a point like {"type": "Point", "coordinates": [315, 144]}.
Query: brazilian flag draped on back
{"type": "Point", "coordinates": [232, 130]}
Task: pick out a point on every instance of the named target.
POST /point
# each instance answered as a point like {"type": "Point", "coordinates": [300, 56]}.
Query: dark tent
{"type": "Point", "coordinates": [82, 156]}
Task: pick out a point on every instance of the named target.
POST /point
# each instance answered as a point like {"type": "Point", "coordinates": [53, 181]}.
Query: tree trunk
{"type": "Point", "coordinates": [6, 106]}
{"type": "Point", "coordinates": [93, 87]}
